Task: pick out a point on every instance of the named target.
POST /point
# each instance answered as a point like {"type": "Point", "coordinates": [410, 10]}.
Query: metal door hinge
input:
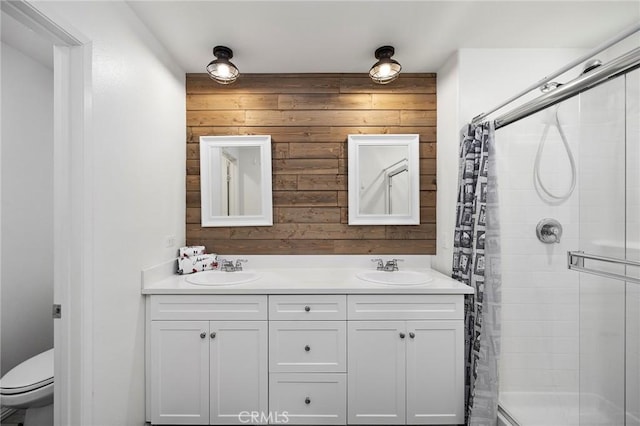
{"type": "Point", "coordinates": [57, 311]}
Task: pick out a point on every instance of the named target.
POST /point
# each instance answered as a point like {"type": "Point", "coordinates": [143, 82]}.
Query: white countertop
{"type": "Point", "coordinates": [307, 280]}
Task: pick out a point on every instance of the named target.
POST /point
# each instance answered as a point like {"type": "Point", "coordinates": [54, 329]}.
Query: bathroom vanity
{"type": "Point", "coordinates": [305, 346]}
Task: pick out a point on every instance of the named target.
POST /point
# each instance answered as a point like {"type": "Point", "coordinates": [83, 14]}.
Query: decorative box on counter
{"type": "Point", "coordinates": [193, 259]}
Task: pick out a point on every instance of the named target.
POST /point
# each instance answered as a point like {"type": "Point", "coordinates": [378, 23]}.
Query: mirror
{"type": "Point", "coordinates": [384, 180]}
{"type": "Point", "coordinates": [235, 180]}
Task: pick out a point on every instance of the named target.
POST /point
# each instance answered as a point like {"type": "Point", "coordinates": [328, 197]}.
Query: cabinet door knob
{"type": "Point", "coordinates": [307, 348]}
{"type": "Point", "coordinates": [402, 335]}
{"type": "Point", "coordinates": [203, 335]}
{"type": "Point", "coordinates": [412, 335]}
{"type": "Point", "coordinates": [307, 308]}
{"type": "Point", "coordinates": [307, 400]}
{"type": "Point", "coordinates": [213, 335]}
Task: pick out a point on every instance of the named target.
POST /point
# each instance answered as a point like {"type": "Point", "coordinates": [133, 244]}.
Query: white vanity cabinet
{"type": "Point", "coordinates": [406, 359]}
{"type": "Point", "coordinates": [208, 360]}
{"type": "Point", "coordinates": [308, 358]}
{"type": "Point", "coordinates": [317, 359]}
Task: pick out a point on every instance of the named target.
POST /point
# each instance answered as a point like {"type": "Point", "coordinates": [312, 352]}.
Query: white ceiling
{"type": "Point", "coordinates": [341, 36]}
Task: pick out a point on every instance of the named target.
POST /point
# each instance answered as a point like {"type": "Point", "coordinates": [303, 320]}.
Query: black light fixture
{"type": "Point", "coordinates": [221, 69]}
{"type": "Point", "coordinates": [386, 69]}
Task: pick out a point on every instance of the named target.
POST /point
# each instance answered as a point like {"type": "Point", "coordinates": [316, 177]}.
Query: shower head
{"type": "Point", "coordinates": [592, 64]}
{"type": "Point", "coordinates": [547, 87]}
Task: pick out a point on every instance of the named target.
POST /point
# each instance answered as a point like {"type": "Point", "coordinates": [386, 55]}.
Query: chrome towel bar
{"type": "Point", "coordinates": [575, 262]}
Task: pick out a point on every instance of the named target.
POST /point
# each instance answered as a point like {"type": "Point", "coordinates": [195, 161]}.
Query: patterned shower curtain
{"type": "Point", "coordinates": [476, 262]}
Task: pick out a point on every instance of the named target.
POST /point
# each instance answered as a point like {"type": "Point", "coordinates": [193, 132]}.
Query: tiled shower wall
{"type": "Point", "coordinates": [540, 296]}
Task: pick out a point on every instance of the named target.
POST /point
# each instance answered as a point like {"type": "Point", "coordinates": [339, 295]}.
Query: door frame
{"type": "Point", "coordinates": [73, 232]}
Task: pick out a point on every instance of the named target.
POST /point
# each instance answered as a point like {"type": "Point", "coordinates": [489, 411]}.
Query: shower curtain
{"type": "Point", "coordinates": [476, 262]}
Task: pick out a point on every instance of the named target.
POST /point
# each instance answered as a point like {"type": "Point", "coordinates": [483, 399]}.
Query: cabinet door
{"type": "Point", "coordinates": [239, 375]}
{"type": "Point", "coordinates": [179, 372]}
{"type": "Point", "coordinates": [376, 372]}
{"type": "Point", "coordinates": [435, 379]}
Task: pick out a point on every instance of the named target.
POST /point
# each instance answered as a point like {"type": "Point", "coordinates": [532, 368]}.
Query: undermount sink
{"type": "Point", "coordinates": [222, 278]}
{"type": "Point", "coordinates": [395, 277]}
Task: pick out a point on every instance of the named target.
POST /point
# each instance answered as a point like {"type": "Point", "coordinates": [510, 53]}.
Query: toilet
{"type": "Point", "coordinates": [29, 386]}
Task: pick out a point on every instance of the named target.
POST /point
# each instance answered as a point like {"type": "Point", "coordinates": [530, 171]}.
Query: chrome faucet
{"type": "Point", "coordinates": [389, 266]}
{"type": "Point", "coordinates": [228, 266]}
{"type": "Point", "coordinates": [392, 265]}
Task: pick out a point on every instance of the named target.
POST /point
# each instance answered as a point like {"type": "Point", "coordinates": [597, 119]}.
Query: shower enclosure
{"type": "Point", "coordinates": [571, 339]}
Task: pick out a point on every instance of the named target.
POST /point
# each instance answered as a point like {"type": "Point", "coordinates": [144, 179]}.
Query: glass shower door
{"type": "Point", "coordinates": [571, 340]}
{"type": "Point", "coordinates": [632, 385]}
{"type": "Point", "coordinates": [603, 232]}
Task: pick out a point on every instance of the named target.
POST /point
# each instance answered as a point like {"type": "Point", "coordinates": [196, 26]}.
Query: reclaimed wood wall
{"type": "Point", "coordinates": [309, 117]}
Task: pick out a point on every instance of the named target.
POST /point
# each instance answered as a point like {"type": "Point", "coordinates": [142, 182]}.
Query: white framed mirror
{"type": "Point", "coordinates": [235, 181]}
{"type": "Point", "coordinates": [384, 179]}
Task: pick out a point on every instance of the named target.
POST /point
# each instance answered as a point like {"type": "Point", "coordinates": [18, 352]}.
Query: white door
{"type": "Point", "coordinates": [179, 372]}
{"type": "Point", "coordinates": [435, 380]}
{"type": "Point", "coordinates": [239, 375]}
{"type": "Point", "coordinates": [230, 185]}
{"type": "Point", "coordinates": [376, 372]}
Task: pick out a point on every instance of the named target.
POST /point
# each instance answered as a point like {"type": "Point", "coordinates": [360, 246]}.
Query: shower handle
{"type": "Point", "coordinates": [549, 231]}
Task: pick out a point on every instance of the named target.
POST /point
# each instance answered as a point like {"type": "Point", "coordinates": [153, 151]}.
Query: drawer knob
{"type": "Point", "coordinates": [213, 335]}
{"type": "Point", "coordinates": [307, 348]}
{"type": "Point", "coordinates": [402, 335]}
{"type": "Point", "coordinates": [412, 335]}
{"type": "Point", "coordinates": [307, 308]}
{"type": "Point", "coordinates": [307, 400]}
{"type": "Point", "coordinates": [203, 335]}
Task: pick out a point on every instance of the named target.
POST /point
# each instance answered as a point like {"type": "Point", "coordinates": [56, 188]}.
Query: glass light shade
{"type": "Point", "coordinates": [222, 71]}
{"type": "Point", "coordinates": [385, 71]}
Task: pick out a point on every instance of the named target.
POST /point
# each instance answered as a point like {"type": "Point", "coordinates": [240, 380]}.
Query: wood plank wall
{"type": "Point", "coordinates": [309, 117]}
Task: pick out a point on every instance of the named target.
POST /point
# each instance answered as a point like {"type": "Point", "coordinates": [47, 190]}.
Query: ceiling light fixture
{"type": "Point", "coordinates": [221, 69]}
{"type": "Point", "coordinates": [386, 69]}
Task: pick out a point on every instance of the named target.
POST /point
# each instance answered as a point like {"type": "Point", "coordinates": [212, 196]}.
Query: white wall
{"type": "Point", "coordinates": [448, 126]}
{"type": "Point", "coordinates": [27, 208]}
{"type": "Point", "coordinates": [138, 156]}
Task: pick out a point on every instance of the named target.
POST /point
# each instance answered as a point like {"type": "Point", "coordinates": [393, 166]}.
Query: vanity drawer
{"type": "Point", "coordinates": [307, 346]}
{"type": "Point", "coordinates": [308, 308]}
{"type": "Point", "coordinates": [317, 399]}
{"type": "Point", "coordinates": [208, 307]}
{"type": "Point", "coordinates": [400, 307]}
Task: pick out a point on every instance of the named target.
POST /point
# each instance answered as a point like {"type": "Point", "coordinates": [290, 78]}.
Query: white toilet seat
{"type": "Point", "coordinates": [34, 386]}
{"type": "Point", "coordinates": [34, 398]}
{"type": "Point", "coordinates": [29, 384]}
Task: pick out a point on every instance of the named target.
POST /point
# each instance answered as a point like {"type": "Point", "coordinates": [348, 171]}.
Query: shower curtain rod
{"type": "Point", "coordinates": [624, 34]}
{"type": "Point", "coordinates": [621, 65]}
